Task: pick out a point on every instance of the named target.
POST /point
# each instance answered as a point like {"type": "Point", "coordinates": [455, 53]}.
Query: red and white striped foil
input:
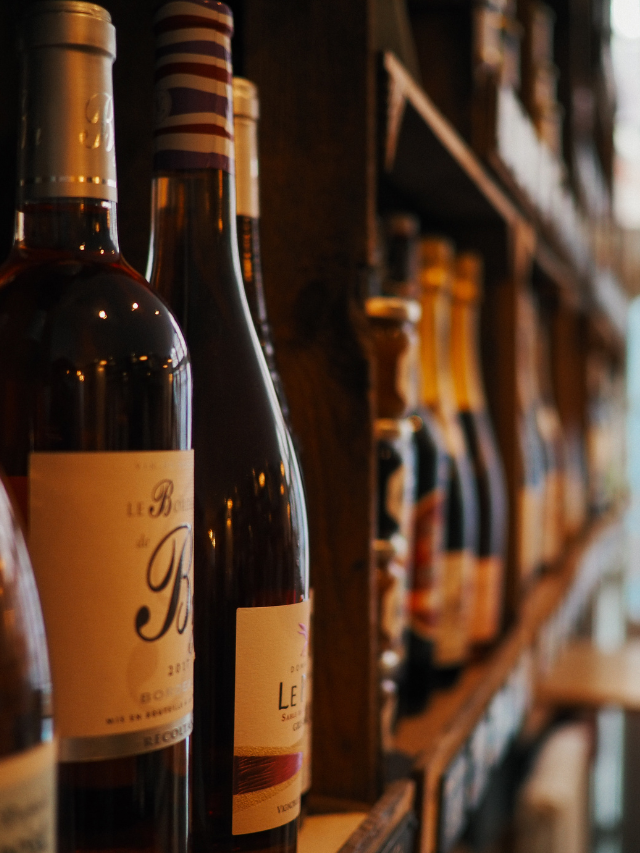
{"type": "Point", "coordinates": [193, 86]}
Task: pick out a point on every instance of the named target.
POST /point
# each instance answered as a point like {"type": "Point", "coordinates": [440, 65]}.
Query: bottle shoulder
{"type": "Point", "coordinates": [85, 309]}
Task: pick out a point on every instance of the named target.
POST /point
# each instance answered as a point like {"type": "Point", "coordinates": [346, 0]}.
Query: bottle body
{"type": "Point", "coordinates": [27, 751]}
{"type": "Point", "coordinates": [77, 389]}
{"type": "Point", "coordinates": [96, 392]}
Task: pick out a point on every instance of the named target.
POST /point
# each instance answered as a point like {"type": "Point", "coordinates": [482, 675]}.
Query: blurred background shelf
{"type": "Point", "coordinates": [430, 742]}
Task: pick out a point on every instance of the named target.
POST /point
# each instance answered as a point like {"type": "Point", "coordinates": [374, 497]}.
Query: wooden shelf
{"type": "Point", "coordinates": [426, 159]}
{"type": "Point", "coordinates": [432, 739]}
{"type": "Point", "coordinates": [427, 165]}
{"type": "Point", "coordinates": [588, 676]}
{"type": "Point", "coordinates": [389, 827]}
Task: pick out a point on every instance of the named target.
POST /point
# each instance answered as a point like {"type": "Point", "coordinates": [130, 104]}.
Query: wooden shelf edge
{"type": "Point", "coordinates": [587, 676]}
{"type": "Point", "coordinates": [370, 829]}
{"type": "Point", "coordinates": [402, 82]}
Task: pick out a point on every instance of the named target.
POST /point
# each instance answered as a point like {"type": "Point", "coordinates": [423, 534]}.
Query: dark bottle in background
{"type": "Point", "coordinates": [433, 471]}
{"type": "Point", "coordinates": [530, 450]}
{"type": "Point", "coordinates": [551, 433]}
{"type": "Point", "coordinates": [95, 426]}
{"type": "Point", "coordinates": [27, 751]}
{"type": "Point", "coordinates": [251, 618]}
{"type": "Point", "coordinates": [488, 587]}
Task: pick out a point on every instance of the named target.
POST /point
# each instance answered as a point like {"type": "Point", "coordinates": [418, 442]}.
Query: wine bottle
{"type": "Point", "coordinates": [251, 616]}
{"type": "Point", "coordinates": [488, 587]}
{"type": "Point", "coordinates": [27, 751]}
{"type": "Point", "coordinates": [531, 461]}
{"type": "Point", "coordinates": [95, 396]}
{"type": "Point", "coordinates": [398, 389]}
{"type": "Point", "coordinates": [246, 111]}
{"type": "Point", "coordinates": [438, 397]}
{"type": "Point", "coordinates": [550, 429]}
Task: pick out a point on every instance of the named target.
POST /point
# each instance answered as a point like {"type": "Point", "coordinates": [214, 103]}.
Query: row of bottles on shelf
{"type": "Point", "coordinates": [442, 508]}
{"type": "Point", "coordinates": [152, 466]}
{"type": "Point", "coordinates": [442, 501]}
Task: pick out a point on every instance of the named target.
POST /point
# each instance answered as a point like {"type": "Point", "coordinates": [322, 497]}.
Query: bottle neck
{"type": "Point", "coordinates": [437, 386]}
{"type": "Point", "coordinates": [79, 227]}
{"type": "Point", "coordinates": [465, 356]}
{"type": "Point", "coordinates": [247, 176]}
{"type": "Point", "coordinates": [248, 230]}
{"type": "Point", "coordinates": [67, 190]}
{"type": "Point", "coordinates": [193, 229]}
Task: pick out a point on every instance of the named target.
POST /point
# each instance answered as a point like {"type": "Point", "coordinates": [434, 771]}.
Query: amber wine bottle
{"type": "Point", "coordinates": [251, 616]}
{"type": "Point", "coordinates": [438, 397]}
{"type": "Point", "coordinates": [488, 585]}
{"type": "Point", "coordinates": [95, 426]}
{"type": "Point", "coordinates": [27, 752]}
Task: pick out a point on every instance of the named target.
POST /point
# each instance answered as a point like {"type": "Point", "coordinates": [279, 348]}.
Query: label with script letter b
{"type": "Point", "coordinates": [111, 539]}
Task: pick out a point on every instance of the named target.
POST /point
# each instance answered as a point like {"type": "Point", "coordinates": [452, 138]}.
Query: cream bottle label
{"type": "Point", "coordinates": [28, 800]}
{"type": "Point", "coordinates": [111, 539]}
{"type": "Point", "coordinates": [308, 711]}
{"type": "Point", "coordinates": [272, 649]}
{"type": "Point", "coordinates": [487, 599]}
{"type": "Point", "coordinates": [530, 525]}
{"type": "Point", "coordinates": [426, 594]}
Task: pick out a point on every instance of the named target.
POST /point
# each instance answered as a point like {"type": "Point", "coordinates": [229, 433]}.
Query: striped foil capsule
{"type": "Point", "coordinates": [193, 86]}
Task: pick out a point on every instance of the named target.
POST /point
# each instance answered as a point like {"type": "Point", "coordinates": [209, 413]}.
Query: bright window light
{"type": "Point", "coordinates": [625, 18]}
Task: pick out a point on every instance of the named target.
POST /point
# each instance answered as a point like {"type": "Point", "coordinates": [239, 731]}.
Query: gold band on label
{"type": "Point", "coordinates": [127, 743]}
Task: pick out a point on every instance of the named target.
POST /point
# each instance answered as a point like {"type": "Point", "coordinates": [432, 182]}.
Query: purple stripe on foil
{"type": "Point", "coordinates": [177, 160]}
{"type": "Point", "coordinates": [185, 100]}
{"type": "Point", "coordinates": [204, 48]}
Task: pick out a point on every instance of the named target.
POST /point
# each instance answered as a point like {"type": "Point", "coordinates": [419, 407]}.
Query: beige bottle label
{"type": "Point", "coordinates": [487, 599]}
{"type": "Point", "coordinates": [553, 517]}
{"type": "Point", "coordinates": [272, 647]}
{"type": "Point", "coordinates": [453, 630]}
{"type": "Point", "coordinates": [530, 530]}
{"type": "Point", "coordinates": [28, 800]}
{"type": "Point", "coordinates": [111, 538]}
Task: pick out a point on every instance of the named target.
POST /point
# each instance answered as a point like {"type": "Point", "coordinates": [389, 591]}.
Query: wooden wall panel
{"type": "Point", "coordinates": [314, 65]}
